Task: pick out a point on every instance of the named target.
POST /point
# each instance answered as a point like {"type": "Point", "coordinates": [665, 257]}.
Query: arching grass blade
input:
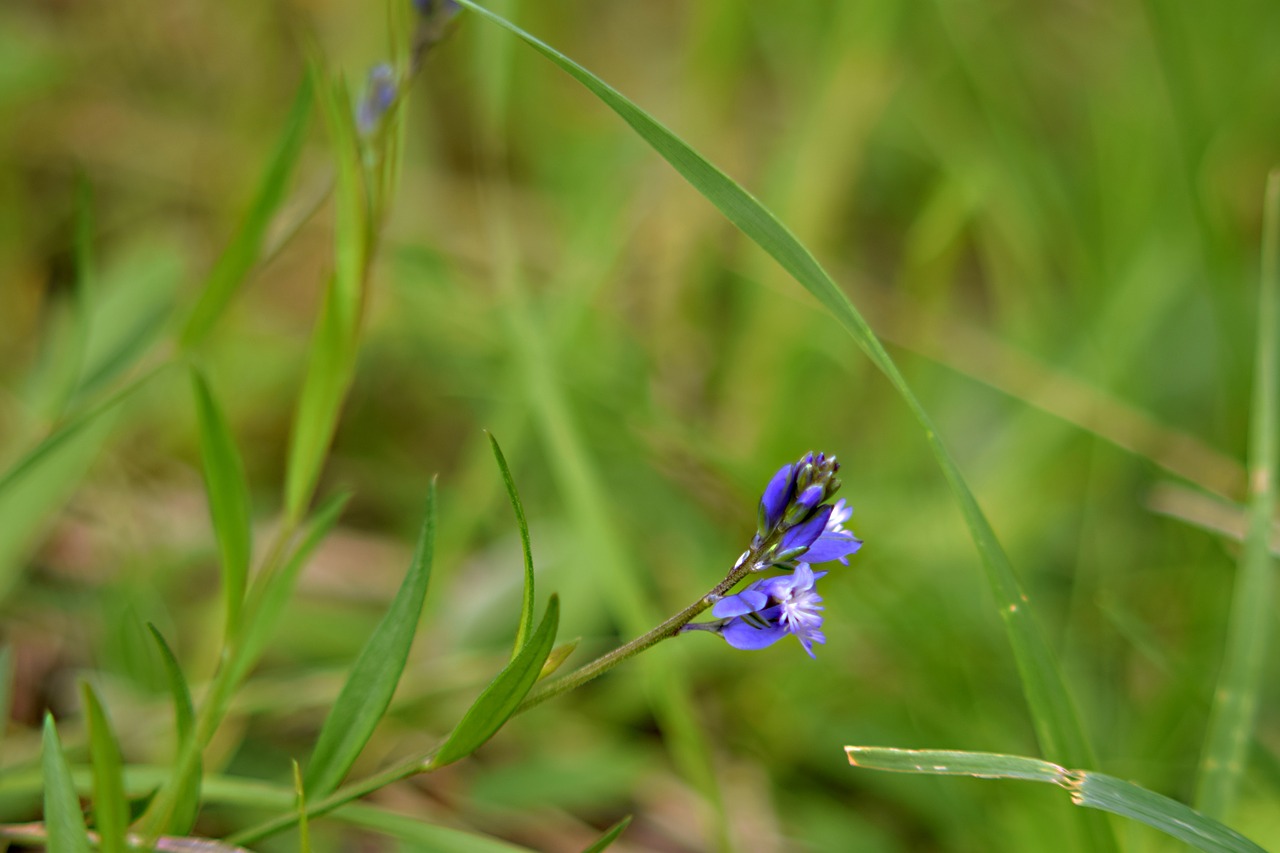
{"type": "Point", "coordinates": [63, 818]}
{"type": "Point", "coordinates": [174, 809]}
{"type": "Point", "coordinates": [606, 841]}
{"type": "Point", "coordinates": [526, 604]}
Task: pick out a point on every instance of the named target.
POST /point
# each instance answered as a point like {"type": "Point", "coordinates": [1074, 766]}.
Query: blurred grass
{"type": "Point", "coordinates": [1075, 188]}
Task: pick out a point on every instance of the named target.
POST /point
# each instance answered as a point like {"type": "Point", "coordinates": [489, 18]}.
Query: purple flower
{"type": "Point", "coordinates": [379, 95]}
{"type": "Point", "coordinates": [777, 497]}
{"type": "Point", "coordinates": [769, 609]}
{"type": "Point", "coordinates": [834, 542]}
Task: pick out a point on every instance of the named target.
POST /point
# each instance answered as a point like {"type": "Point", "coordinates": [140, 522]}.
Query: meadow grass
{"type": "Point", "coordinates": [242, 339]}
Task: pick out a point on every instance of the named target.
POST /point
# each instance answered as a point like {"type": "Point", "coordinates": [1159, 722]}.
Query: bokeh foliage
{"type": "Point", "coordinates": [1051, 212]}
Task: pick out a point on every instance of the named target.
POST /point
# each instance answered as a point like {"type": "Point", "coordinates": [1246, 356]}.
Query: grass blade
{"type": "Point", "coordinates": [304, 829]}
{"type": "Point", "coordinates": [334, 346]}
{"type": "Point", "coordinates": [504, 694]}
{"type": "Point", "coordinates": [63, 818]}
{"type": "Point", "coordinates": [1057, 726]}
{"type": "Point", "coordinates": [606, 841]}
{"type": "Point", "coordinates": [242, 253]}
{"type": "Point", "coordinates": [228, 492]}
{"type": "Point", "coordinates": [526, 604]}
{"type": "Point", "coordinates": [174, 809]}
{"type": "Point", "coordinates": [1088, 789]}
{"type": "Point", "coordinates": [110, 809]}
{"type": "Point", "coordinates": [368, 690]}
{"type": "Point", "coordinates": [1235, 703]}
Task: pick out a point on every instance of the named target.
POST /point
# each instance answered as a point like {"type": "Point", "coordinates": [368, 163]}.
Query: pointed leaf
{"type": "Point", "coordinates": [62, 816]}
{"type": "Point", "coordinates": [174, 809]}
{"type": "Point", "coordinates": [228, 493]}
{"type": "Point", "coordinates": [373, 679]}
{"type": "Point", "coordinates": [110, 808]}
{"type": "Point", "coordinates": [304, 830]}
{"type": "Point", "coordinates": [526, 604]}
{"type": "Point", "coordinates": [606, 841]}
{"type": "Point", "coordinates": [242, 253]}
{"type": "Point", "coordinates": [501, 698]}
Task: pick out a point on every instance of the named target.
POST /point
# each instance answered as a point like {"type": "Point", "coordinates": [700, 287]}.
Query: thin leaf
{"type": "Point", "coordinates": [273, 591]}
{"type": "Point", "coordinates": [1235, 704]}
{"type": "Point", "coordinates": [110, 808]}
{"type": "Point", "coordinates": [1053, 712]}
{"type": "Point", "coordinates": [228, 492]}
{"type": "Point", "coordinates": [1088, 789]}
{"type": "Point", "coordinates": [62, 815]}
{"type": "Point", "coordinates": [504, 694]}
{"type": "Point", "coordinates": [558, 656]}
{"type": "Point", "coordinates": [373, 679]}
{"type": "Point", "coordinates": [606, 841]}
{"type": "Point", "coordinates": [233, 266]}
{"type": "Point", "coordinates": [174, 809]}
{"type": "Point", "coordinates": [304, 829]}
{"type": "Point", "coordinates": [332, 355]}
{"type": "Point", "coordinates": [527, 602]}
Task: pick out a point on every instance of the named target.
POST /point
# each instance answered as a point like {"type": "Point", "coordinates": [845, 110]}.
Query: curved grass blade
{"type": "Point", "coordinates": [526, 604]}
{"type": "Point", "coordinates": [62, 816]}
{"type": "Point", "coordinates": [1057, 726]}
{"type": "Point", "coordinates": [606, 841]}
{"type": "Point", "coordinates": [335, 344]}
{"type": "Point", "coordinates": [503, 695]}
{"type": "Point", "coordinates": [110, 808]}
{"type": "Point", "coordinates": [1088, 789]}
{"type": "Point", "coordinates": [1235, 705]}
{"type": "Point", "coordinates": [174, 809]}
{"type": "Point", "coordinates": [368, 690]}
{"type": "Point", "coordinates": [242, 253]}
{"type": "Point", "coordinates": [228, 492]}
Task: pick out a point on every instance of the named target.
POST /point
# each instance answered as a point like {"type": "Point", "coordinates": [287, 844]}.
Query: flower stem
{"type": "Point", "coordinates": [666, 630]}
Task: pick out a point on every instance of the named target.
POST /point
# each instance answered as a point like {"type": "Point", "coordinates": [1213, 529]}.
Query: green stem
{"type": "Point", "coordinates": [667, 629]}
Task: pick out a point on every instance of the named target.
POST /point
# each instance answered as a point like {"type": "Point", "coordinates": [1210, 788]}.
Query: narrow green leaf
{"type": "Point", "coordinates": [368, 690]}
{"type": "Point", "coordinates": [233, 266]}
{"type": "Point", "coordinates": [62, 816]}
{"type": "Point", "coordinates": [527, 603]}
{"type": "Point", "coordinates": [274, 589]}
{"type": "Point", "coordinates": [606, 841]}
{"type": "Point", "coordinates": [1053, 713]}
{"type": "Point", "coordinates": [174, 809]}
{"type": "Point", "coordinates": [1235, 705]}
{"type": "Point", "coordinates": [228, 492]}
{"type": "Point", "coordinates": [504, 694]}
{"type": "Point", "coordinates": [334, 345]}
{"type": "Point", "coordinates": [110, 808]}
{"type": "Point", "coordinates": [1088, 789]}
{"type": "Point", "coordinates": [942, 762]}
{"type": "Point", "coordinates": [304, 829]}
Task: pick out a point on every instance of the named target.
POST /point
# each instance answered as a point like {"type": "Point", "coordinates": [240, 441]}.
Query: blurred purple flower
{"type": "Point", "coordinates": [379, 95]}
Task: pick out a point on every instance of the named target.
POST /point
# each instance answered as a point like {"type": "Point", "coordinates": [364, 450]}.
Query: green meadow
{"type": "Point", "coordinates": [343, 421]}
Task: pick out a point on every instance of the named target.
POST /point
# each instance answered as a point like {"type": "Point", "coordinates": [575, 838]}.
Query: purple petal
{"type": "Point", "coordinates": [810, 497]}
{"type": "Point", "coordinates": [740, 635]}
{"type": "Point", "coordinates": [748, 601]}
{"type": "Point", "coordinates": [815, 636]}
{"type": "Point", "coordinates": [777, 495]}
{"type": "Point", "coordinates": [833, 546]}
{"type": "Point", "coordinates": [803, 535]}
